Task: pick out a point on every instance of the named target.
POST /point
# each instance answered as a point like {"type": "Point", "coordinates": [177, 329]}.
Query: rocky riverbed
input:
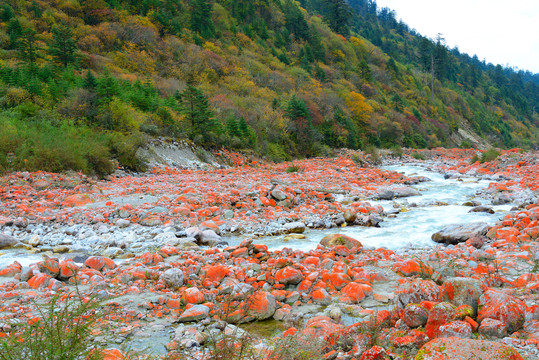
{"type": "Point", "coordinates": [183, 256]}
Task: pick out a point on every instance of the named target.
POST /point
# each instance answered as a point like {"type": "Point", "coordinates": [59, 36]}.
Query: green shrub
{"type": "Point", "coordinates": [418, 155]}
{"type": "Point", "coordinates": [293, 168]}
{"type": "Point", "coordinates": [489, 155]}
{"type": "Point", "coordinates": [63, 331]}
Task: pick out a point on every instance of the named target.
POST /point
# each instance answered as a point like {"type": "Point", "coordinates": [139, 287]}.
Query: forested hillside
{"type": "Point", "coordinates": [83, 82]}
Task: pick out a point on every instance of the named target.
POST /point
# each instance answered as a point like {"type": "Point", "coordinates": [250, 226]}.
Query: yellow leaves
{"type": "Point", "coordinates": [338, 55]}
{"type": "Point", "coordinates": [355, 41]}
{"type": "Point", "coordinates": [357, 105]}
{"type": "Point", "coordinates": [135, 60]}
{"type": "Point", "coordinates": [498, 112]}
{"type": "Point", "coordinates": [208, 45]}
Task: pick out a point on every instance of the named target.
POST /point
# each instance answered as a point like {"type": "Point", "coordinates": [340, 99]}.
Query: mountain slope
{"type": "Point", "coordinates": [82, 82]}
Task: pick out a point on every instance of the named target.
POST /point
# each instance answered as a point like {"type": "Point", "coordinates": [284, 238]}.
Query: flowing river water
{"type": "Point", "coordinates": [439, 204]}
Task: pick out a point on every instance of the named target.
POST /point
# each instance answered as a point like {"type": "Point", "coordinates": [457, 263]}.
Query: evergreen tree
{"type": "Point", "coordinates": [338, 16]}
{"type": "Point", "coordinates": [14, 31]}
{"type": "Point", "coordinates": [196, 109]}
{"type": "Point", "coordinates": [89, 82]}
{"type": "Point", "coordinates": [6, 12]}
{"type": "Point", "coordinates": [29, 49]}
{"type": "Point", "coordinates": [201, 21]}
{"type": "Point", "coordinates": [63, 47]}
{"type": "Point", "coordinates": [300, 124]}
{"type": "Point", "coordinates": [365, 71]}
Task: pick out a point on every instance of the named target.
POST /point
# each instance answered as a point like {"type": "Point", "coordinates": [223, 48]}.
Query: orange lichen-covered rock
{"type": "Point", "coordinates": [39, 281]}
{"type": "Point", "coordinates": [261, 305]}
{"type": "Point", "coordinates": [193, 296]}
{"type": "Point", "coordinates": [50, 267]}
{"type": "Point", "coordinates": [439, 315]}
{"type": "Point", "coordinates": [321, 327]}
{"type": "Point", "coordinates": [417, 291]}
{"type": "Point", "coordinates": [99, 263]}
{"type": "Point", "coordinates": [288, 275]}
{"type": "Point", "coordinates": [462, 291]}
{"type": "Point", "coordinates": [453, 348]}
{"type": "Point", "coordinates": [503, 307]}
{"type": "Point", "coordinates": [216, 273]}
{"type": "Point", "coordinates": [353, 292]}
{"type": "Point", "coordinates": [375, 353]}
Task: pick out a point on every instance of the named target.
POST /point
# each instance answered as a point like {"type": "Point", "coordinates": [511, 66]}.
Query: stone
{"type": "Point", "coordinates": [485, 209]}
{"type": "Point", "coordinates": [295, 227]}
{"type": "Point", "coordinates": [462, 291]}
{"type": "Point", "coordinates": [194, 313]}
{"type": "Point", "coordinates": [339, 239]}
{"type": "Point", "coordinates": [193, 296]}
{"type": "Point", "coordinates": [261, 305]}
{"type": "Point", "coordinates": [458, 328]}
{"type": "Point", "coordinates": [278, 195]}
{"type": "Point", "coordinates": [453, 348]}
{"type": "Point", "coordinates": [288, 275]}
{"type": "Point", "coordinates": [499, 306]}
{"type": "Point", "coordinates": [493, 328]}
{"type": "Point", "coordinates": [208, 238]}
{"type": "Point", "coordinates": [440, 314]}
{"type": "Point", "coordinates": [7, 241]}
{"type": "Point", "coordinates": [415, 315]}
{"type": "Point", "coordinates": [350, 216]}
{"type": "Point", "coordinates": [173, 278]}
{"type": "Point", "coordinates": [457, 233]}
{"type": "Point", "coordinates": [417, 291]}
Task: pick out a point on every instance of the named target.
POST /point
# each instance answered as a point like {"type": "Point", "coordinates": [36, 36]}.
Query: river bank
{"type": "Point", "coordinates": [172, 224]}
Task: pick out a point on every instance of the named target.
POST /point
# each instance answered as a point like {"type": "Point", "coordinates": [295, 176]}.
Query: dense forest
{"type": "Point", "coordinates": [83, 82]}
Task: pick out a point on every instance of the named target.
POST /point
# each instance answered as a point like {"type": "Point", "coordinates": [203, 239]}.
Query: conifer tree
{"type": "Point", "coordinates": [196, 109]}
{"type": "Point", "coordinates": [63, 47]}
{"type": "Point", "coordinates": [201, 21]}
{"type": "Point", "coordinates": [29, 49]}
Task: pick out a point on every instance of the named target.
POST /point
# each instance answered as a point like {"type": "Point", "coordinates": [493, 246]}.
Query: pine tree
{"type": "Point", "coordinates": [89, 82]}
{"type": "Point", "coordinates": [196, 109]}
{"type": "Point", "coordinates": [201, 21]}
{"type": "Point", "coordinates": [29, 49]}
{"type": "Point", "coordinates": [63, 47]}
{"type": "Point", "coordinates": [338, 16]}
{"type": "Point", "coordinates": [14, 31]}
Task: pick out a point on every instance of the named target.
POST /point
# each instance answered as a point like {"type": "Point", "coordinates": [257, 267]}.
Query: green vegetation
{"type": "Point", "coordinates": [487, 156]}
{"type": "Point", "coordinates": [293, 169]}
{"type": "Point", "coordinates": [61, 330]}
{"type": "Point", "coordinates": [82, 83]}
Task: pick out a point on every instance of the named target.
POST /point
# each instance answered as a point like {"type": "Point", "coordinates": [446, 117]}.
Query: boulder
{"type": "Point", "coordinates": [288, 275]}
{"type": "Point", "coordinates": [295, 227]}
{"type": "Point", "coordinates": [485, 209]}
{"type": "Point", "coordinates": [453, 348]}
{"type": "Point", "coordinates": [505, 308]}
{"type": "Point", "coordinates": [415, 315]}
{"type": "Point", "coordinates": [7, 241]}
{"type": "Point", "coordinates": [194, 313]}
{"type": "Point", "coordinates": [173, 278]}
{"type": "Point", "coordinates": [493, 328]}
{"type": "Point", "coordinates": [457, 233]}
{"type": "Point", "coordinates": [339, 239]}
{"type": "Point", "coordinates": [418, 290]}
{"type": "Point", "coordinates": [440, 314]}
{"type": "Point", "coordinates": [462, 291]}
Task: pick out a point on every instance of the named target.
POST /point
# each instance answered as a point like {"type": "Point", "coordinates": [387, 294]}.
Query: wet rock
{"type": "Point", "coordinates": [350, 216]}
{"type": "Point", "coordinates": [485, 209]}
{"type": "Point", "coordinates": [123, 223]}
{"type": "Point", "coordinates": [295, 227]}
{"type": "Point", "coordinates": [395, 192]}
{"type": "Point", "coordinates": [333, 240]}
{"type": "Point", "coordinates": [7, 241]}
{"type": "Point", "coordinates": [457, 233]}
{"type": "Point", "coordinates": [456, 348]}
{"type": "Point", "coordinates": [499, 306]}
{"type": "Point", "coordinates": [471, 203]}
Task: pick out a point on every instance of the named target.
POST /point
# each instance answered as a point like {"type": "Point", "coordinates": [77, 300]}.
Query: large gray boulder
{"type": "Point", "coordinates": [7, 241]}
{"type": "Point", "coordinates": [457, 233]}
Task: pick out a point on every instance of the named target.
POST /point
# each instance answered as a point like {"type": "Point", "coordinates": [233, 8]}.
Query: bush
{"type": "Point", "coordinates": [297, 347]}
{"type": "Point", "coordinates": [397, 151]}
{"type": "Point", "coordinates": [489, 155]}
{"type": "Point", "coordinates": [293, 168]}
{"type": "Point", "coordinates": [418, 155]}
{"type": "Point", "coordinates": [62, 330]}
